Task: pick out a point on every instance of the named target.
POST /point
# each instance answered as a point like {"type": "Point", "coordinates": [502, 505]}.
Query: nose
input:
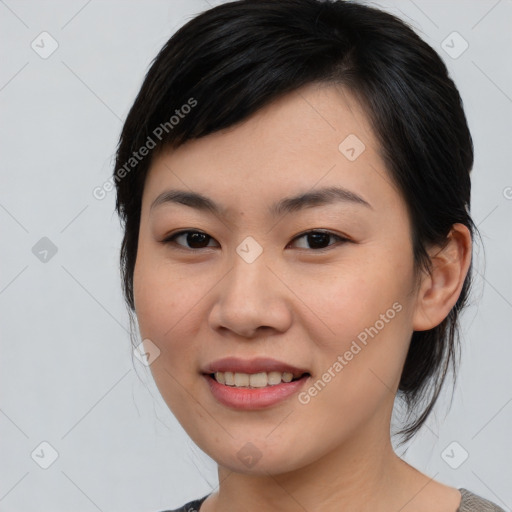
{"type": "Point", "coordinates": [251, 299]}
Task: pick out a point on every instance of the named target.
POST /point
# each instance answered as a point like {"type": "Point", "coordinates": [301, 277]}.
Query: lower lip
{"type": "Point", "coordinates": [253, 398]}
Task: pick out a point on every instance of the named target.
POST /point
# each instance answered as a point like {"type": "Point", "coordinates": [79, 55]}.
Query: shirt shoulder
{"type": "Point", "coordinates": [473, 503]}
{"type": "Point", "coordinates": [470, 502]}
{"type": "Point", "coordinates": [191, 506]}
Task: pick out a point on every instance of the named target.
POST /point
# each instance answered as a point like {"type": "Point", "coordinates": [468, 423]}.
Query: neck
{"type": "Point", "coordinates": [363, 474]}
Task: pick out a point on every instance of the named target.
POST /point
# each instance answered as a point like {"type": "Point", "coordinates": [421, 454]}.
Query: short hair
{"type": "Point", "coordinates": [230, 61]}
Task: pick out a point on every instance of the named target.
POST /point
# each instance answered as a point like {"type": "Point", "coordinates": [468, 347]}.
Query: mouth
{"type": "Point", "coordinates": [253, 384]}
{"type": "Point", "coordinates": [253, 373]}
{"type": "Point", "coordinates": [256, 380]}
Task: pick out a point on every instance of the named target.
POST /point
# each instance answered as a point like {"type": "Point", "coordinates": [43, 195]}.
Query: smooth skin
{"type": "Point", "coordinates": [296, 303]}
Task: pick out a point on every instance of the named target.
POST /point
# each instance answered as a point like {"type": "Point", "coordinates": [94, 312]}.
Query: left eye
{"type": "Point", "coordinates": [318, 239]}
{"type": "Point", "coordinates": [199, 240]}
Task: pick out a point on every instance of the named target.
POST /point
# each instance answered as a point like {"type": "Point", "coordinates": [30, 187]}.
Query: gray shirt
{"type": "Point", "coordinates": [469, 503]}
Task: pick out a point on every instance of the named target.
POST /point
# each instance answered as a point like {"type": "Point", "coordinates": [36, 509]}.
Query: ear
{"type": "Point", "coordinates": [439, 291]}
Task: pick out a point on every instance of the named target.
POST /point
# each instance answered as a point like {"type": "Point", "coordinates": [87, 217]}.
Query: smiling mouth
{"type": "Point", "coordinates": [255, 380]}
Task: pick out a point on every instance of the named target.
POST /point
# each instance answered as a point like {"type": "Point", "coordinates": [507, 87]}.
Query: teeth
{"type": "Point", "coordinates": [274, 378]}
{"type": "Point", "coordinates": [254, 380]}
{"type": "Point", "coordinates": [241, 379]}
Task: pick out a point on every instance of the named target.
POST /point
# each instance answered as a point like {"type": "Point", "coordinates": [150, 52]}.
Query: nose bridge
{"type": "Point", "coordinates": [249, 274]}
{"type": "Point", "coordinates": [250, 296]}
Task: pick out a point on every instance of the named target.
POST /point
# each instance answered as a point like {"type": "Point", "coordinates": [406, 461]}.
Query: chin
{"type": "Point", "coordinates": [254, 457]}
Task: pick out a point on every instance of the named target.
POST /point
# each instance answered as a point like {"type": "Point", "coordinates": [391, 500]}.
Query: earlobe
{"type": "Point", "coordinates": [440, 290]}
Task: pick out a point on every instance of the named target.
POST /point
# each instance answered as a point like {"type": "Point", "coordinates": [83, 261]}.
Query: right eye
{"type": "Point", "coordinates": [195, 239]}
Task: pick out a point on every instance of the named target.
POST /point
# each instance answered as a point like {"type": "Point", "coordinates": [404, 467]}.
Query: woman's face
{"type": "Point", "coordinates": [253, 284]}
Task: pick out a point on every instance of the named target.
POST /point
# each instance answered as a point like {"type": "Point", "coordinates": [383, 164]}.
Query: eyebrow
{"type": "Point", "coordinates": [319, 197]}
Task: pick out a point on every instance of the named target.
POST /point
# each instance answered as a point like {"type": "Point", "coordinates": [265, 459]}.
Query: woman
{"type": "Point", "coordinates": [293, 181]}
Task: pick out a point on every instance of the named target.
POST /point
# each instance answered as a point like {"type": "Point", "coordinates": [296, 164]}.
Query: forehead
{"type": "Point", "coordinates": [316, 135]}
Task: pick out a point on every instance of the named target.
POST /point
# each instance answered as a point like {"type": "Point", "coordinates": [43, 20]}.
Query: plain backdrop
{"type": "Point", "coordinates": [72, 398]}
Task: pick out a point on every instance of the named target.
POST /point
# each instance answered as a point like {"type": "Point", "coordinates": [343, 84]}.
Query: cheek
{"type": "Point", "coordinates": [165, 314]}
{"type": "Point", "coordinates": [365, 319]}
{"type": "Point", "coordinates": [169, 311]}
{"type": "Point", "coordinates": [161, 296]}
{"type": "Point", "coordinates": [151, 300]}
{"type": "Point", "coordinates": [359, 368]}
{"type": "Point", "coordinates": [349, 298]}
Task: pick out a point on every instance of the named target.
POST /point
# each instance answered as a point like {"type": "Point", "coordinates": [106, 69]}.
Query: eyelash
{"type": "Point", "coordinates": [171, 239]}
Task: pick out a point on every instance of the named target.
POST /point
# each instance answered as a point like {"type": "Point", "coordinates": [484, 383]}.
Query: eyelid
{"type": "Point", "coordinates": [169, 239]}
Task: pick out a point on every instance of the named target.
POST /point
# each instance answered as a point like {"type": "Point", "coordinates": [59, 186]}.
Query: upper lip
{"type": "Point", "coordinates": [256, 365]}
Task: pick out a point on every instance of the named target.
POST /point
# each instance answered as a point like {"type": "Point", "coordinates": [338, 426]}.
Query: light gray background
{"type": "Point", "coordinates": [67, 376]}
